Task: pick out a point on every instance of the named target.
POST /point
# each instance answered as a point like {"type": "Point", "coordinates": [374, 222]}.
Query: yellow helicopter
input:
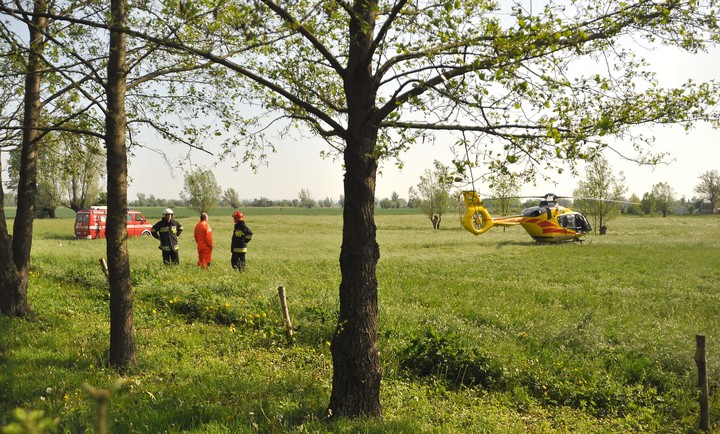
{"type": "Point", "coordinates": [547, 222]}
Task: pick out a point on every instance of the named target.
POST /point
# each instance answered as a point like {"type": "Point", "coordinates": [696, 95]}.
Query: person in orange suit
{"type": "Point", "coordinates": [204, 240]}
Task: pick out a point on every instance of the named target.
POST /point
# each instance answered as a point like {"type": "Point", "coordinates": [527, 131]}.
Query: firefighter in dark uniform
{"type": "Point", "coordinates": [238, 246]}
{"type": "Point", "coordinates": [167, 231]}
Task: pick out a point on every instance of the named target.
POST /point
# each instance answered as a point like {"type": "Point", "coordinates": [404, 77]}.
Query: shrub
{"type": "Point", "coordinates": [434, 354]}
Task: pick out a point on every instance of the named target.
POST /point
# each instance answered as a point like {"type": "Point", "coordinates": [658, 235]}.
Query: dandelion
{"type": "Point", "coordinates": [227, 305]}
{"type": "Point", "coordinates": [154, 311]}
{"type": "Point", "coordinates": [48, 391]}
{"type": "Point", "coordinates": [264, 314]}
{"type": "Point", "coordinates": [66, 397]}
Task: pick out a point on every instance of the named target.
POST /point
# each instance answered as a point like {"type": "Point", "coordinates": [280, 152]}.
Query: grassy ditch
{"type": "Point", "coordinates": [493, 333]}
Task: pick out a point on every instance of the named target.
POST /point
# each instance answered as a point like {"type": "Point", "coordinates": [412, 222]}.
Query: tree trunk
{"type": "Point", "coordinates": [356, 363]}
{"type": "Point", "coordinates": [15, 249]}
{"type": "Point", "coordinates": [122, 338]}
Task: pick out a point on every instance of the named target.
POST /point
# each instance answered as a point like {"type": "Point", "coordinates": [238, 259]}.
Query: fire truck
{"type": "Point", "coordinates": [90, 223]}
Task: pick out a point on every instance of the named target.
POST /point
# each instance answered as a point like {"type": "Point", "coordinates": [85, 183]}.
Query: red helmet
{"type": "Point", "coordinates": [238, 216]}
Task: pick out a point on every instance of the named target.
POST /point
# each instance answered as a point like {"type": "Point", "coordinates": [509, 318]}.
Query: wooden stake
{"type": "Point", "coordinates": [701, 362]}
{"type": "Point", "coordinates": [286, 313]}
{"type": "Point", "coordinates": [104, 267]}
{"type": "Point", "coordinates": [102, 401]}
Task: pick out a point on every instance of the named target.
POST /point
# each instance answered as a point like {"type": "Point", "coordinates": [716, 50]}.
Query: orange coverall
{"type": "Point", "coordinates": [205, 245]}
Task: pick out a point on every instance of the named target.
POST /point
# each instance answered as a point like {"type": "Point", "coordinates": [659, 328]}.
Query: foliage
{"type": "Point", "coordinates": [306, 199]}
{"type": "Point", "coordinates": [709, 187]}
{"type": "Point", "coordinates": [505, 187]}
{"type": "Point", "coordinates": [446, 355]}
{"type": "Point", "coordinates": [635, 207]}
{"type": "Point", "coordinates": [432, 195]}
{"type": "Point", "coordinates": [394, 201]}
{"type": "Point", "coordinates": [30, 422]}
{"type": "Point", "coordinates": [663, 197]}
{"type": "Point", "coordinates": [201, 192]}
{"type": "Point", "coordinates": [597, 194]}
{"type": "Point", "coordinates": [231, 198]}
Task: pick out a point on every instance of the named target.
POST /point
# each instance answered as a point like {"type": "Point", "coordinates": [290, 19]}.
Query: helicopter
{"type": "Point", "coordinates": [547, 222]}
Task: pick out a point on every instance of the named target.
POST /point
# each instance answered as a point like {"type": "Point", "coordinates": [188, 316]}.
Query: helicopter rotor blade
{"type": "Point", "coordinates": [607, 200]}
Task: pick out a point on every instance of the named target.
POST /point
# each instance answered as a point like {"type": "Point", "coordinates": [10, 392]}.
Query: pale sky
{"type": "Point", "coordinates": [298, 165]}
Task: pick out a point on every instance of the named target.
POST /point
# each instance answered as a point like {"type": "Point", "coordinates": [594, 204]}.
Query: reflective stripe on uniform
{"type": "Point", "coordinates": [239, 250]}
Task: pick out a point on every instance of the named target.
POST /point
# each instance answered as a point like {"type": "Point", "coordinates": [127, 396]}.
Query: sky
{"type": "Point", "coordinates": [298, 165]}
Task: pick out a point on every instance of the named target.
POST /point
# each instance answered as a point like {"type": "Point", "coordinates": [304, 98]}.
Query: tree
{"type": "Point", "coordinates": [599, 193]}
{"type": "Point", "coordinates": [505, 188]}
{"type": "Point", "coordinates": [647, 204]}
{"type": "Point", "coordinates": [231, 198]}
{"type": "Point", "coordinates": [84, 161]}
{"type": "Point", "coordinates": [709, 187]}
{"type": "Point", "coordinates": [70, 167]}
{"type": "Point", "coordinates": [664, 197]}
{"type": "Point", "coordinates": [373, 77]}
{"type": "Point", "coordinates": [306, 199]}
{"type": "Point", "coordinates": [432, 195]}
{"type": "Point", "coordinates": [395, 201]}
{"type": "Point", "coordinates": [15, 250]}
{"type": "Point", "coordinates": [202, 192]}
{"type": "Point", "coordinates": [122, 334]}
{"type": "Point", "coordinates": [635, 206]}
{"type": "Point", "coordinates": [87, 95]}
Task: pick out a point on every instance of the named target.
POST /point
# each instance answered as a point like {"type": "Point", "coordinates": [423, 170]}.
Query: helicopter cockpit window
{"type": "Point", "coordinates": [577, 222]}
{"type": "Point", "coordinates": [567, 221]}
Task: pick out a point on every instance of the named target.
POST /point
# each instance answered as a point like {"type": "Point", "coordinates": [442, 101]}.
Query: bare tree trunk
{"type": "Point", "coordinates": [122, 337]}
{"type": "Point", "coordinates": [15, 249]}
{"type": "Point", "coordinates": [356, 362]}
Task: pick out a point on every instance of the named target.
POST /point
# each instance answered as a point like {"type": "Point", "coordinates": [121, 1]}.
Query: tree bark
{"type": "Point", "coordinates": [122, 337]}
{"type": "Point", "coordinates": [15, 249]}
{"type": "Point", "coordinates": [356, 362]}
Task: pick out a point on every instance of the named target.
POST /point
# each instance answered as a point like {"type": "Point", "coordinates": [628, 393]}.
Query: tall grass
{"type": "Point", "coordinates": [477, 334]}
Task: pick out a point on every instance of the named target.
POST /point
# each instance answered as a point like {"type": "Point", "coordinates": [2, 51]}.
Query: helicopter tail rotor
{"type": "Point", "coordinates": [476, 219]}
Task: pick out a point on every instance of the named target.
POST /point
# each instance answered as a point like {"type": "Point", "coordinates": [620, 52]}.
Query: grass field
{"type": "Point", "coordinates": [490, 334]}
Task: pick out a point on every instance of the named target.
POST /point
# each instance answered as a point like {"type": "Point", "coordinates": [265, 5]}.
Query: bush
{"type": "Point", "coordinates": [434, 354]}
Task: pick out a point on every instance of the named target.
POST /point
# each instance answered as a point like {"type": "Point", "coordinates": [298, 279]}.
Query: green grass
{"type": "Point", "coordinates": [477, 334]}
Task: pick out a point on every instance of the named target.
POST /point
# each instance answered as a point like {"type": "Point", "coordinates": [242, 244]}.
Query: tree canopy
{"type": "Point", "coordinates": [708, 187]}
{"type": "Point", "coordinates": [433, 194]}
{"type": "Point", "coordinates": [664, 197]}
{"type": "Point", "coordinates": [599, 192]}
{"type": "Point", "coordinates": [202, 192]}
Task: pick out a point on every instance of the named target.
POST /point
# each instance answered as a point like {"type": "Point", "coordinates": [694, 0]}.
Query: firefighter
{"type": "Point", "coordinates": [167, 231]}
{"type": "Point", "coordinates": [204, 240]}
{"type": "Point", "coordinates": [241, 236]}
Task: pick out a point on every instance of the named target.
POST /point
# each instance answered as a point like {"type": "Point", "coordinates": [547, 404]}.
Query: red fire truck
{"type": "Point", "coordinates": [90, 223]}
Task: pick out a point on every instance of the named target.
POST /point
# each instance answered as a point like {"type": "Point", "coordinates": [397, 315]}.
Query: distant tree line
{"type": "Point", "coordinates": [433, 196]}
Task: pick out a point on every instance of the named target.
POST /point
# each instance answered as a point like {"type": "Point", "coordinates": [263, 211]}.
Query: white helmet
{"type": "Point", "coordinates": [167, 211]}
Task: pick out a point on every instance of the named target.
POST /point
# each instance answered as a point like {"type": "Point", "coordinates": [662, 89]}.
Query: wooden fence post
{"type": "Point", "coordinates": [104, 267]}
{"type": "Point", "coordinates": [701, 362]}
{"type": "Point", "coordinates": [286, 313]}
